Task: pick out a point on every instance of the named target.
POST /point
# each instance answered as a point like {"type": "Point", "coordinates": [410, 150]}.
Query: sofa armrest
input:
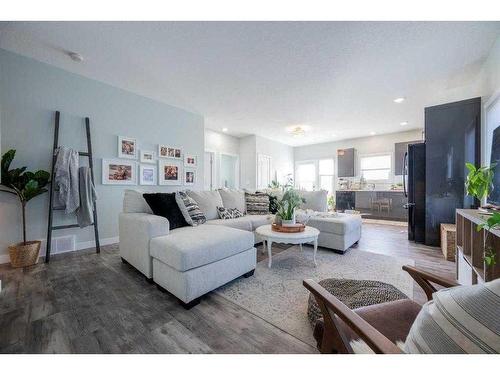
{"type": "Point", "coordinates": [136, 230]}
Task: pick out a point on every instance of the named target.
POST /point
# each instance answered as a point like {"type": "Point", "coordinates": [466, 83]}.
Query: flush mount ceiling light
{"type": "Point", "coordinates": [373, 133]}
{"type": "Point", "coordinates": [75, 56]}
{"type": "Point", "coordinates": [225, 130]}
{"type": "Point", "coordinates": [399, 100]}
{"type": "Point", "coordinates": [298, 130]}
{"type": "Point", "coordinates": [404, 123]}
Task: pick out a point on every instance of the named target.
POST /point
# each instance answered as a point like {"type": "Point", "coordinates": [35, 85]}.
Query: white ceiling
{"type": "Point", "coordinates": [339, 78]}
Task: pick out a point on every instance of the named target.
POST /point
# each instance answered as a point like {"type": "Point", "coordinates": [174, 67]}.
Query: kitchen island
{"type": "Point", "coordinates": [374, 204]}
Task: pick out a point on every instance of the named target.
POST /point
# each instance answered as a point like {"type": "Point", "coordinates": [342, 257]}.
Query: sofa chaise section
{"type": "Point", "coordinates": [192, 261]}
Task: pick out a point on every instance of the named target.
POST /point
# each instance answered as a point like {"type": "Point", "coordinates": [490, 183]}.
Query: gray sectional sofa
{"type": "Point", "coordinates": [191, 261]}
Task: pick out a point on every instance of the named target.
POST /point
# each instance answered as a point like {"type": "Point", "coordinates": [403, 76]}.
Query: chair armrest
{"type": "Point", "coordinates": [328, 302]}
{"type": "Point", "coordinates": [424, 279]}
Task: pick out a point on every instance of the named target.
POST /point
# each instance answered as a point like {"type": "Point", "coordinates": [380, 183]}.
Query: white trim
{"type": "Point", "coordinates": [4, 258]}
{"type": "Point", "coordinates": [102, 241]}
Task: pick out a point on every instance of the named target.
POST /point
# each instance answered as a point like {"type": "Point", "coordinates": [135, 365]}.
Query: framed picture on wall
{"type": "Point", "coordinates": [119, 172]}
{"type": "Point", "coordinates": [190, 161]}
{"type": "Point", "coordinates": [147, 174]}
{"type": "Point", "coordinates": [169, 152]}
{"type": "Point", "coordinates": [127, 147]}
{"type": "Point", "coordinates": [147, 156]}
{"type": "Point", "coordinates": [170, 172]}
{"type": "Point", "coordinates": [189, 177]}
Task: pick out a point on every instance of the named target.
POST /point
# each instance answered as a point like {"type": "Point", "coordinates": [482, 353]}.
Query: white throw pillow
{"type": "Point", "coordinates": [232, 198]}
{"type": "Point", "coordinates": [208, 201]}
{"type": "Point", "coordinates": [134, 202]}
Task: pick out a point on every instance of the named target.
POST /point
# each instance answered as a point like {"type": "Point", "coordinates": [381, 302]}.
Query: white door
{"type": "Point", "coordinates": [263, 171]}
{"type": "Point", "coordinates": [209, 166]}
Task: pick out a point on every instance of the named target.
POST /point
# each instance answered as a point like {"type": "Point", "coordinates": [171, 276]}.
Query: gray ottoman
{"type": "Point", "coordinates": [338, 232]}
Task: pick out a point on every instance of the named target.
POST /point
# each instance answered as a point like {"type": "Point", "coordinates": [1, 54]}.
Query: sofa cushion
{"type": "Point", "coordinates": [243, 223]}
{"type": "Point", "coordinates": [315, 200]}
{"type": "Point", "coordinates": [340, 224]}
{"type": "Point", "coordinates": [208, 202]}
{"type": "Point", "coordinates": [259, 220]}
{"type": "Point", "coordinates": [190, 247]}
{"type": "Point", "coordinates": [232, 198]}
{"type": "Point", "coordinates": [257, 203]}
{"type": "Point", "coordinates": [134, 202]}
{"type": "Point", "coordinates": [164, 204]}
{"type": "Point", "coordinates": [190, 209]}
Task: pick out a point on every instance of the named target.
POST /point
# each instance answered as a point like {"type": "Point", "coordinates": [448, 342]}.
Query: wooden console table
{"type": "Point", "coordinates": [471, 268]}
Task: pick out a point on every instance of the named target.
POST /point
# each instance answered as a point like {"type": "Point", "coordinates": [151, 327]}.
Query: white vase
{"type": "Point", "coordinates": [288, 223]}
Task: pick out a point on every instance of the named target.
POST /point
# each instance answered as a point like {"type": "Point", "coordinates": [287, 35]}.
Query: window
{"type": "Point", "coordinates": [376, 167]}
{"type": "Point", "coordinates": [325, 172]}
{"type": "Point", "coordinates": [263, 171]}
{"type": "Point", "coordinates": [305, 176]}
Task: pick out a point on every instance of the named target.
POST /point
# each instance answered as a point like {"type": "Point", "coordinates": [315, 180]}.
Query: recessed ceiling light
{"type": "Point", "coordinates": [399, 100]}
{"type": "Point", "coordinates": [225, 129]}
{"type": "Point", "coordinates": [404, 123]}
{"type": "Point", "coordinates": [373, 133]}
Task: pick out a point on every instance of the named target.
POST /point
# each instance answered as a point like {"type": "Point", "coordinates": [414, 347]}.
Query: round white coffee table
{"type": "Point", "coordinates": [268, 236]}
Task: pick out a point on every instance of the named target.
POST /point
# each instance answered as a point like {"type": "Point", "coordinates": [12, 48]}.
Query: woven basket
{"type": "Point", "coordinates": [24, 255]}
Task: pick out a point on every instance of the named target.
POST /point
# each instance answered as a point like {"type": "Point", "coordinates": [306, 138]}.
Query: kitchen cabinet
{"type": "Point", "coordinates": [374, 204]}
{"type": "Point", "coordinates": [345, 162]}
{"type": "Point", "coordinates": [399, 153]}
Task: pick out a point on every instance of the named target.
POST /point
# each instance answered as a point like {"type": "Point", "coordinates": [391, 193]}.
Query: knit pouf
{"type": "Point", "coordinates": [354, 294]}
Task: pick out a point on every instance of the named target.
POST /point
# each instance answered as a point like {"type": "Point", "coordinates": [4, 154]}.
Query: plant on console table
{"type": "Point", "coordinates": [287, 205]}
{"type": "Point", "coordinates": [479, 184]}
{"type": "Point", "coordinates": [25, 185]}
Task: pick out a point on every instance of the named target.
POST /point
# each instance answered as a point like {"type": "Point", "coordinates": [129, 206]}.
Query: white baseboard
{"type": "Point", "coordinates": [4, 258]}
{"type": "Point", "coordinates": [103, 242]}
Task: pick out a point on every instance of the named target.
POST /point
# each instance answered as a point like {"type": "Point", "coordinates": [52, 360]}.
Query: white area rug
{"type": "Point", "coordinates": [278, 296]}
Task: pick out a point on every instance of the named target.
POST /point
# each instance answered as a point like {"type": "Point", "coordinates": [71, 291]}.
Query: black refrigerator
{"type": "Point", "coordinates": [434, 173]}
{"type": "Point", "coordinates": [414, 190]}
{"type": "Point", "coordinates": [452, 138]}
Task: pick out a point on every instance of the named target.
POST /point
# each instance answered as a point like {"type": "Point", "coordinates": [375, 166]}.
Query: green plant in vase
{"type": "Point", "coordinates": [25, 185]}
{"type": "Point", "coordinates": [479, 184]}
{"type": "Point", "coordinates": [287, 205]}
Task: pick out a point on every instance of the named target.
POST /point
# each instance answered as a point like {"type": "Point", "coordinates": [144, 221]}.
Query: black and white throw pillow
{"type": "Point", "coordinates": [257, 203]}
{"type": "Point", "coordinates": [164, 204]}
{"type": "Point", "coordinates": [229, 213]}
{"type": "Point", "coordinates": [190, 209]}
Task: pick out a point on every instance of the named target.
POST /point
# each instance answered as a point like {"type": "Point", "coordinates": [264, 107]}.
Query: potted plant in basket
{"type": "Point", "coordinates": [26, 186]}
{"type": "Point", "coordinates": [287, 205]}
{"type": "Point", "coordinates": [479, 184]}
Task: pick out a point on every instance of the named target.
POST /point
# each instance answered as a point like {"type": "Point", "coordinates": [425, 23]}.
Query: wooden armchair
{"type": "Point", "coordinates": [379, 326]}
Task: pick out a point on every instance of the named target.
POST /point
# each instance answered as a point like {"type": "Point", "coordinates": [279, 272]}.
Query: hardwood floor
{"type": "Point", "coordinates": [86, 303]}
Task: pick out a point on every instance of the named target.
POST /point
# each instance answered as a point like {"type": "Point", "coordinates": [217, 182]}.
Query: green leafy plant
{"type": "Point", "coordinates": [479, 183]}
{"type": "Point", "coordinates": [287, 205]}
{"type": "Point", "coordinates": [331, 202]}
{"type": "Point", "coordinates": [492, 223]}
{"type": "Point", "coordinates": [25, 184]}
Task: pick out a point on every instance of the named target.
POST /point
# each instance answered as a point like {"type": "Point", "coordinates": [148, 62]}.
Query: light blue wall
{"type": "Point", "coordinates": [31, 91]}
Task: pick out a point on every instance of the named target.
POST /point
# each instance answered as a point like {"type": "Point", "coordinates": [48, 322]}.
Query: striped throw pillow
{"type": "Point", "coordinates": [229, 213]}
{"type": "Point", "coordinates": [257, 203]}
{"type": "Point", "coordinates": [190, 209]}
{"type": "Point", "coordinates": [463, 319]}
